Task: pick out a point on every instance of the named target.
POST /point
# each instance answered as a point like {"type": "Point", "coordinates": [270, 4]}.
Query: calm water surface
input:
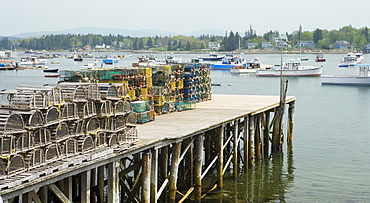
{"type": "Point", "coordinates": [329, 160]}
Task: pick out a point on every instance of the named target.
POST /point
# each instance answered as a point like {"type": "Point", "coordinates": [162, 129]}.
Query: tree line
{"type": "Point", "coordinates": [323, 39]}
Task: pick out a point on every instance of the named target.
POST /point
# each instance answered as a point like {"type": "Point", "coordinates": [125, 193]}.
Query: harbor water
{"type": "Point", "coordinates": [329, 160]}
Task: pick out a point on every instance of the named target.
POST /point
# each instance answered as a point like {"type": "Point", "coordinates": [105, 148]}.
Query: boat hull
{"type": "Point", "coordinates": [345, 80]}
{"type": "Point", "coordinates": [290, 73]}
{"type": "Point", "coordinates": [221, 66]}
{"type": "Point", "coordinates": [243, 71]}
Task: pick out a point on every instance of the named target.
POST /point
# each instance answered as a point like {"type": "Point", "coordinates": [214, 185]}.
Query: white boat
{"type": "Point", "coordinates": [212, 57]}
{"type": "Point", "coordinates": [350, 60]}
{"type": "Point", "coordinates": [291, 68]}
{"type": "Point", "coordinates": [31, 60]}
{"type": "Point", "coordinates": [250, 66]}
{"type": "Point", "coordinates": [359, 57]}
{"type": "Point", "coordinates": [362, 79]}
{"type": "Point", "coordinates": [228, 62]}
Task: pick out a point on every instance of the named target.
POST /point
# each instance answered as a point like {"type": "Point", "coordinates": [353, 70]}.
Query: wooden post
{"type": "Point", "coordinates": [266, 133]}
{"type": "Point", "coordinates": [198, 167]}
{"type": "Point", "coordinates": [85, 186]}
{"type": "Point", "coordinates": [113, 183]}
{"type": "Point", "coordinates": [164, 163]}
{"type": "Point", "coordinates": [257, 138]}
{"type": "Point", "coordinates": [220, 167]}
{"type": "Point", "coordinates": [176, 151]}
{"type": "Point", "coordinates": [101, 184]}
{"type": "Point", "coordinates": [245, 143]}
{"type": "Point", "coordinates": [235, 150]}
{"type": "Point", "coordinates": [93, 184]}
{"type": "Point", "coordinates": [154, 176]}
{"type": "Point", "coordinates": [251, 141]}
{"type": "Point", "coordinates": [290, 121]}
{"type": "Point", "coordinates": [43, 193]}
{"type": "Point", "coordinates": [146, 176]}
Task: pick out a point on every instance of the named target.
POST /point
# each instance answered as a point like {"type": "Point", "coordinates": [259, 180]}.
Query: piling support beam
{"type": "Point", "coordinates": [154, 176]}
{"type": "Point", "coordinates": [85, 186]}
{"type": "Point", "coordinates": [198, 167]}
{"type": "Point", "coordinates": [245, 143]}
{"type": "Point", "coordinates": [220, 167]}
{"type": "Point", "coordinates": [43, 193]}
{"type": "Point", "coordinates": [100, 184]}
{"type": "Point", "coordinates": [164, 166]}
{"type": "Point", "coordinates": [113, 182]}
{"type": "Point", "coordinates": [176, 151]}
{"type": "Point", "coordinates": [266, 134]}
{"type": "Point", "coordinates": [235, 149]}
{"type": "Point", "coordinates": [290, 122]}
{"type": "Point", "coordinates": [146, 176]}
{"type": "Point", "coordinates": [251, 141]}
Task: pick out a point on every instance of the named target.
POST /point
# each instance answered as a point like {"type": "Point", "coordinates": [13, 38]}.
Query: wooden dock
{"type": "Point", "coordinates": [174, 153]}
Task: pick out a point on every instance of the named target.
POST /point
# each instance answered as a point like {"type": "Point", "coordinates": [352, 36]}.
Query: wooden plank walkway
{"type": "Point", "coordinates": [207, 115]}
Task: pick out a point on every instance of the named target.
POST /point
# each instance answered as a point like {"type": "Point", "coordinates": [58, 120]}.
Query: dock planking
{"type": "Point", "coordinates": [207, 115]}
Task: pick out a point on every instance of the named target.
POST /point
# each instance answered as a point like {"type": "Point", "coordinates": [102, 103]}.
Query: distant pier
{"type": "Point", "coordinates": [172, 156]}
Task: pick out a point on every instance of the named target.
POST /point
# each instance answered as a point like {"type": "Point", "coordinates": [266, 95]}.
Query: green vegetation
{"type": "Point", "coordinates": [322, 39]}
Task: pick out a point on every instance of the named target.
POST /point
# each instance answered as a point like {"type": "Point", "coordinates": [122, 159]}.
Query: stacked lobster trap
{"type": "Point", "coordinates": [154, 89]}
{"type": "Point", "coordinates": [42, 124]}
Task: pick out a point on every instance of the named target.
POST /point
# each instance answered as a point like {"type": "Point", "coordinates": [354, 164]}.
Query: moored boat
{"type": "Point", "coordinates": [31, 60]}
{"type": "Point", "coordinates": [110, 60]}
{"type": "Point", "coordinates": [362, 79]}
{"type": "Point", "coordinates": [50, 70]}
{"type": "Point", "coordinates": [320, 58]}
{"type": "Point", "coordinates": [228, 62]}
{"type": "Point", "coordinates": [250, 66]}
{"type": "Point", "coordinates": [212, 57]}
{"type": "Point", "coordinates": [349, 60]}
{"type": "Point", "coordinates": [291, 68]}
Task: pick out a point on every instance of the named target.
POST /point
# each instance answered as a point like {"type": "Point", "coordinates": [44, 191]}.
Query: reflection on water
{"type": "Point", "coordinates": [267, 181]}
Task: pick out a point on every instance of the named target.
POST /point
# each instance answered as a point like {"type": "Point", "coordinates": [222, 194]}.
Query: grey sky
{"type": "Point", "coordinates": [20, 16]}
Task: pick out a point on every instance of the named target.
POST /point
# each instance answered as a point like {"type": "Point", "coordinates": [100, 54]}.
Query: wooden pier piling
{"type": "Point", "coordinates": [174, 156]}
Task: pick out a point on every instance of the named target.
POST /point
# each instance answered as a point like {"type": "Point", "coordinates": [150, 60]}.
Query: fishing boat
{"type": "Point", "coordinates": [110, 60]}
{"type": "Point", "coordinates": [320, 58]}
{"type": "Point", "coordinates": [212, 57]}
{"type": "Point", "coordinates": [50, 70]}
{"type": "Point", "coordinates": [349, 60]}
{"type": "Point", "coordinates": [291, 68]}
{"type": "Point", "coordinates": [228, 62]}
{"type": "Point", "coordinates": [78, 57]}
{"type": "Point", "coordinates": [250, 66]}
{"type": "Point", "coordinates": [32, 60]}
{"type": "Point", "coordinates": [362, 79]}
{"type": "Point", "coordinates": [7, 65]}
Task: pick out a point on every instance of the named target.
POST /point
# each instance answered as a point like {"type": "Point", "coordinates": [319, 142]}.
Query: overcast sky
{"type": "Point", "coordinates": [21, 16]}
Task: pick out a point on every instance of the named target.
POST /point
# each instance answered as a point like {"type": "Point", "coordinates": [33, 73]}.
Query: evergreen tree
{"type": "Point", "coordinates": [317, 35]}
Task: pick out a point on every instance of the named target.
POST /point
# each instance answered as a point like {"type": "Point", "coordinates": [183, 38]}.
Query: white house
{"type": "Point", "coordinates": [281, 40]}
{"type": "Point", "coordinates": [100, 46]}
{"type": "Point", "coordinates": [266, 44]}
{"type": "Point", "coordinates": [341, 45]}
{"type": "Point", "coordinates": [252, 45]}
{"type": "Point", "coordinates": [308, 44]}
{"type": "Point", "coordinates": [214, 45]}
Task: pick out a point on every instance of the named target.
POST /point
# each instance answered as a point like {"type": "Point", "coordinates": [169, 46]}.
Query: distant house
{"type": "Point", "coordinates": [251, 45]}
{"type": "Point", "coordinates": [214, 45]}
{"type": "Point", "coordinates": [308, 44]}
{"type": "Point", "coordinates": [266, 44]}
{"type": "Point", "coordinates": [100, 46]}
{"type": "Point", "coordinates": [366, 48]}
{"type": "Point", "coordinates": [281, 40]}
{"type": "Point", "coordinates": [341, 45]}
